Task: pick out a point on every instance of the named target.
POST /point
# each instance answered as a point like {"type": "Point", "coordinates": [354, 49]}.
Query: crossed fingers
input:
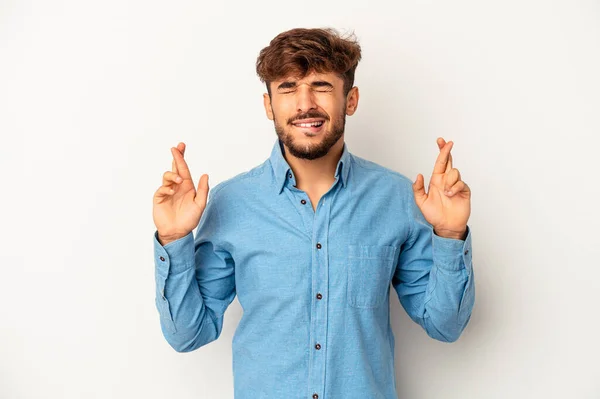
{"type": "Point", "coordinates": [443, 165]}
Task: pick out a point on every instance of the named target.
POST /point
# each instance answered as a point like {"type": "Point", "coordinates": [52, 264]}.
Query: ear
{"type": "Point", "coordinates": [352, 101]}
{"type": "Point", "coordinates": [267, 104]}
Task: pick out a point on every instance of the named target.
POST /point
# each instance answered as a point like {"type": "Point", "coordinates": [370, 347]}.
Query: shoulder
{"type": "Point", "coordinates": [382, 174]}
{"type": "Point", "coordinates": [238, 184]}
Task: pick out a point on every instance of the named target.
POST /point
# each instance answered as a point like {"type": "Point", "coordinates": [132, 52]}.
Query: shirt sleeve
{"type": "Point", "coordinates": [434, 278]}
{"type": "Point", "coordinates": [195, 283]}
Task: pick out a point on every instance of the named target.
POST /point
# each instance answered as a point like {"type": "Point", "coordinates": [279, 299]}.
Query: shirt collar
{"type": "Point", "coordinates": [281, 168]}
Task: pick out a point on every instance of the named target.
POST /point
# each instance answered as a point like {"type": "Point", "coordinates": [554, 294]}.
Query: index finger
{"type": "Point", "coordinates": [181, 147]}
{"type": "Point", "coordinates": [441, 162]}
{"type": "Point", "coordinates": [180, 163]}
{"type": "Point", "coordinates": [441, 143]}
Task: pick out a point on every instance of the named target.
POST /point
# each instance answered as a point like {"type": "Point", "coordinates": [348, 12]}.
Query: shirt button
{"type": "Point", "coordinates": [318, 346]}
{"type": "Point", "coordinates": [315, 396]}
{"type": "Point", "coordinates": [290, 175]}
{"type": "Point", "coordinates": [161, 258]}
{"type": "Point", "coordinates": [319, 296]}
{"type": "Point", "coordinates": [466, 252]}
{"type": "Point", "coordinates": [318, 245]}
{"type": "Point", "coordinates": [303, 202]}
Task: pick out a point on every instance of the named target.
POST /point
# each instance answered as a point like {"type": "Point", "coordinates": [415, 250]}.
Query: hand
{"type": "Point", "coordinates": [447, 205]}
{"type": "Point", "coordinates": [177, 207]}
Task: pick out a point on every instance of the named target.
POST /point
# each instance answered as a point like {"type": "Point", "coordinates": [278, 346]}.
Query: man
{"type": "Point", "coordinates": [310, 241]}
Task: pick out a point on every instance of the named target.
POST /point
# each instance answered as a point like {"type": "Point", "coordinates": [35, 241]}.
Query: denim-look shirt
{"type": "Point", "coordinates": [313, 284]}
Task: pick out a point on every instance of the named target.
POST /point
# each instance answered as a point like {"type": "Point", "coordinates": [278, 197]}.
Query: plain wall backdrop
{"type": "Point", "coordinates": [93, 95]}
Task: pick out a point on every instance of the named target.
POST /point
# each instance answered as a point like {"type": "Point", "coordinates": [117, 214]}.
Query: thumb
{"type": "Point", "coordinates": [202, 192]}
{"type": "Point", "coordinates": [419, 189]}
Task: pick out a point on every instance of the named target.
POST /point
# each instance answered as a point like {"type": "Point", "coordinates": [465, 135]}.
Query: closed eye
{"type": "Point", "coordinates": [320, 90]}
{"type": "Point", "coordinates": [319, 86]}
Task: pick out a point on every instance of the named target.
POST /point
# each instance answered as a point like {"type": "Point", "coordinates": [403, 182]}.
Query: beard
{"type": "Point", "coordinates": [317, 150]}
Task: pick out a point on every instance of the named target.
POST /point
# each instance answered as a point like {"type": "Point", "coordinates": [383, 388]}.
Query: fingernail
{"type": "Point", "coordinates": [178, 179]}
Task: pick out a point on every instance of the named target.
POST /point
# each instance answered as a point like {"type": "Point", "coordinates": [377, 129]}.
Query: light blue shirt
{"type": "Point", "coordinates": [313, 285]}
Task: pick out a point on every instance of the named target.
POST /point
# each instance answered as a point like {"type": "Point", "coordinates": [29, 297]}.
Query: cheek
{"type": "Point", "coordinates": [282, 112]}
{"type": "Point", "coordinates": [334, 107]}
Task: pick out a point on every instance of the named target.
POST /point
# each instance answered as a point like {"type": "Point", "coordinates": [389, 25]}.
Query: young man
{"type": "Point", "coordinates": [310, 241]}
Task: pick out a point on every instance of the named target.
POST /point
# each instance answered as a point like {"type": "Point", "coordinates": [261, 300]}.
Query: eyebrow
{"type": "Point", "coordinates": [317, 83]}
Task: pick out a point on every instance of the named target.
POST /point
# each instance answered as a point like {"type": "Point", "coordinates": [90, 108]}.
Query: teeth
{"type": "Point", "coordinates": [313, 124]}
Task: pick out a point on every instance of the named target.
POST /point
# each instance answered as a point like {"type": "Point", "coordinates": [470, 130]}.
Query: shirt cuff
{"type": "Point", "coordinates": [174, 257]}
{"type": "Point", "coordinates": [451, 253]}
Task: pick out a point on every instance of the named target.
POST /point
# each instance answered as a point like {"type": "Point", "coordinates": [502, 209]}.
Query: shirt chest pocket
{"type": "Point", "coordinates": [369, 273]}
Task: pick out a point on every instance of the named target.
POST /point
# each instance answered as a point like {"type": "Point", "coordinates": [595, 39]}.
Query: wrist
{"type": "Point", "coordinates": [453, 234]}
{"type": "Point", "coordinates": [166, 239]}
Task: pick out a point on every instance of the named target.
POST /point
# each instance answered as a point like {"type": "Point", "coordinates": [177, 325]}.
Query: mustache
{"type": "Point", "coordinates": [308, 115]}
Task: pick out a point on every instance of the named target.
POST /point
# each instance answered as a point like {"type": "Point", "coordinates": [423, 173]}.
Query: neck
{"type": "Point", "coordinates": [317, 174]}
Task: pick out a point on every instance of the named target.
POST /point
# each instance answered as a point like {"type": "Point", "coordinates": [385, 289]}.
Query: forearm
{"type": "Point", "coordinates": [450, 294]}
{"type": "Point", "coordinates": [185, 319]}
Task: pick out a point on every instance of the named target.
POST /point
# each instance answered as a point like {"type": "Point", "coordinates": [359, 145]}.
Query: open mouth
{"type": "Point", "coordinates": [312, 126]}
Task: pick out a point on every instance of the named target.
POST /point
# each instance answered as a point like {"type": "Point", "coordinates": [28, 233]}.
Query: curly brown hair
{"type": "Point", "coordinates": [300, 51]}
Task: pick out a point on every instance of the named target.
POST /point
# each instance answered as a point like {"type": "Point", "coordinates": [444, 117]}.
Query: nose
{"type": "Point", "coordinates": [305, 99]}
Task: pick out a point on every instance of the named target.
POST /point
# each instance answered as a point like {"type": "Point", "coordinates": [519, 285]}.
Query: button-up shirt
{"type": "Point", "coordinates": [313, 284]}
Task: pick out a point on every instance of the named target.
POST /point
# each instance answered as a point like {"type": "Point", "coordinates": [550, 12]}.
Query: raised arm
{"type": "Point", "coordinates": [194, 277]}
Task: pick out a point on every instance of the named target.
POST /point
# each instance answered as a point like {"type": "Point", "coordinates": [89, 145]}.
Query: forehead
{"type": "Point", "coordinates": [312, 77]}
